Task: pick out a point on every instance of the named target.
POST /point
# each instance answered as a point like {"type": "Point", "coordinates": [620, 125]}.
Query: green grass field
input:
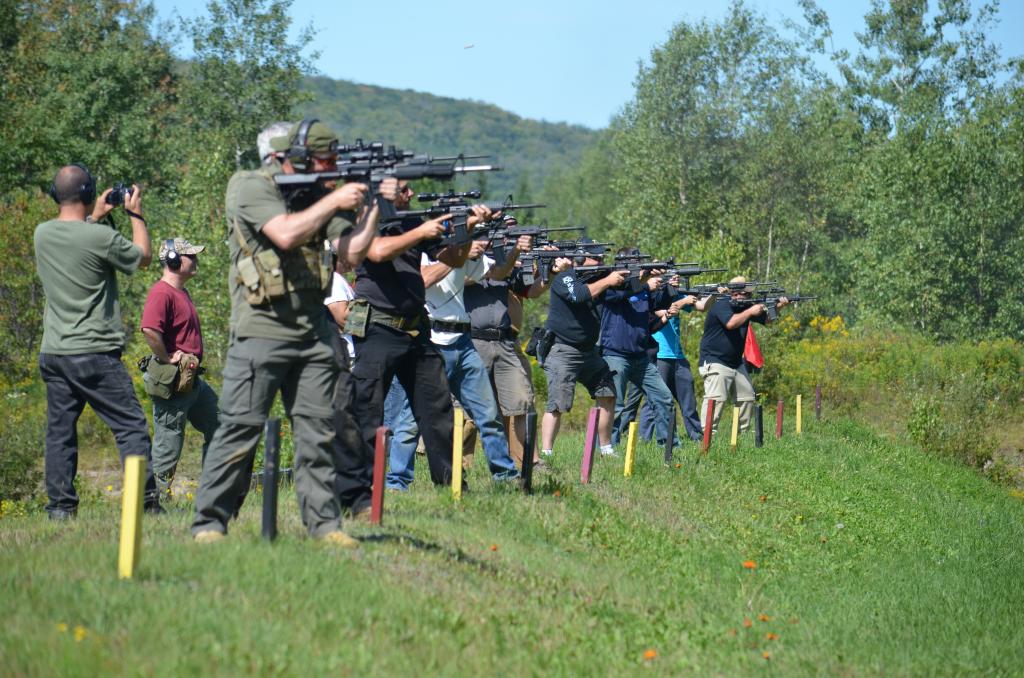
{"type": "Point", "coordinates": [837, 552]}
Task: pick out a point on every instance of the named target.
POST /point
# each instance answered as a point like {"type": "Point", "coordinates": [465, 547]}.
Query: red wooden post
{"type": "Point", "coordinates": [380, 455]}
{"type": "Point", "coordinates": [709, 422]}
{"type": "Point", "coordinates": [589, 444]}
{"type": "Point", "coordinates": [778, 419]}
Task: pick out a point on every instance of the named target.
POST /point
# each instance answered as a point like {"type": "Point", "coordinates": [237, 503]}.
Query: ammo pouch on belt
{"type": "Point", "coordinates": [358, 317]}
{"type": "Point", "coordinates": [268, 275]}
{"type": "Point", "coordinates": [541, 341]}
{"type": "Point", "coordinates": [188, 372]}
{"type": "Point", "coordinates": [159, 379]}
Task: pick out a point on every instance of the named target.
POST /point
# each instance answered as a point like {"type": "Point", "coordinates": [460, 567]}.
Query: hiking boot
{"type": "Point", "coordinates": [208, 536]}
{"type": "Point", "coordinates": [339, 539]}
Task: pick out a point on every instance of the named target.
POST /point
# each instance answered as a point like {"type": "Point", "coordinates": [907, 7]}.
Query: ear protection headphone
{"type": "Point", "coordinates": [172, 259]}
{"type": "Point", "coordinates": [86, 191]}
{"type": "Point", "coordinates": [298, 149]}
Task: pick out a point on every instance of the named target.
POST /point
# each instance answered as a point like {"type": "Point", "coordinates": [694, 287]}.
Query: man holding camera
{"type": "Point", "coordinates": [280, 331]}
{"type": "Point", "coordinates": [83, 336]}
{"type": "Point", "coordinates": [170, 325]}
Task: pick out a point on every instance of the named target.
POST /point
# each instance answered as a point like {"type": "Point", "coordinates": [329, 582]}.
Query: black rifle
{"type": "Point", "coordinates": [499, 236]}
{"type": "Point", "coordinates": [686, 271]}
{"type": "Point", "coordinates": [770, 301]}
{"type": "Point", "coordinates": [371, 164]}
{"type": "Point", "coordinates": [460, 210]}
{"type": "Point", "coordinates": [635, 270]}
{"type": "Point", "coordinates": [545, 258]}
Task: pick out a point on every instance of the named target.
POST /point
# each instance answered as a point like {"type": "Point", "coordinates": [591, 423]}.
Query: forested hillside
{"type": "Point", "coordinates": [528, 150]}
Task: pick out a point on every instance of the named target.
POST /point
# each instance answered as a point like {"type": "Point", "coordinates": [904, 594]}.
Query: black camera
{"type": "Point", "coordinates": [118, 193]}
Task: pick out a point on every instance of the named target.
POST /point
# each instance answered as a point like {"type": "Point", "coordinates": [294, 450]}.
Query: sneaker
{"type": "Point", "coordinates": [208, 536]}
{"type": "Point", "coordinates": [547, 453]}
{"type": "Point", "coordinates": [340, 540]}
{"type": "Point", "coordinates": [60, 516]}
{"type": "Point", "coordinates": [608, 451]}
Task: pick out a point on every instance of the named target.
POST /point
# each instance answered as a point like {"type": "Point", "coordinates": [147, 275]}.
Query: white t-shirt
{"type": "Point", "coordinates": [342, 291]}
{"type": "Point", "coordinates": [445, 299]}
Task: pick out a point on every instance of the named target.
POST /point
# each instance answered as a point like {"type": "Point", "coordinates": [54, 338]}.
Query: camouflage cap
{"type": "Point", "coordinates": [321, 138]}
{"type": "Point", "coordinates": [279, 144]}
{"type": "Point", "coordinates": [181, 246]}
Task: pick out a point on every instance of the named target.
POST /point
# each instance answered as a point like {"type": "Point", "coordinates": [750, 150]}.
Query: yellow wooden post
{"type": "Point", "coordinates": [131, 516]}
{"type": "Point", "coordinates": [460, 423]}
{"type": "Point", "coordinates": [799, 414]}
{"type": "Point", "coordinates": [630, 450]}
{"type": "Point", "coordinates": [735, 426]}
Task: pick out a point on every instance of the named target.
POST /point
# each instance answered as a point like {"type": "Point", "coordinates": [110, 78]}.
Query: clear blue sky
{"type": "Point", "coordinates": [557, 60]}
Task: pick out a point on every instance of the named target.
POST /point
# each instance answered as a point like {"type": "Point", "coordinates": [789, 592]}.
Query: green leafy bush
{"type": "Point", "coordinates": [22, 432]}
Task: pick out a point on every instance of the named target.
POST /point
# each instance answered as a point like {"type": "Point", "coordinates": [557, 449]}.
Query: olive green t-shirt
{"type": "Point", "coordinates": [76, 263]}
{"type": "Point", "coordinates": [252, 200]}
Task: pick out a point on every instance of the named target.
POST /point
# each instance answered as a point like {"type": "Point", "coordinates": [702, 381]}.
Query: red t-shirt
{"type": "Point", "coordinates": [170, 312]}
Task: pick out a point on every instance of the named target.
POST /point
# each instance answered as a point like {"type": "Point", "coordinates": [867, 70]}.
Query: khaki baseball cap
{"type": "Point", "coordinates": [181, 246]}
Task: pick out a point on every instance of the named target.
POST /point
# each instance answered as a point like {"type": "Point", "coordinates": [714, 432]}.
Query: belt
{"type": "Point", "coordinates": [495, 334]}
{"type": "Point", "coordinates": [446, 326]}
{"type": "Point", "coordinates": [396, 322]}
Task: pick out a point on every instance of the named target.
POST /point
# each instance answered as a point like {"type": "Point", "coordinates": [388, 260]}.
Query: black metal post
{"type": "Point", "coordinates": [758, 426]}
{"type": "Point", "coordinates": [271, 458]}
{"type": "Point", "coordinates": [529, 446]}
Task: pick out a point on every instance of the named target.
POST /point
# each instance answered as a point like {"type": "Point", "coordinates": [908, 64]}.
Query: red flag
{"type": "Point", "coordinates": [751, 351]}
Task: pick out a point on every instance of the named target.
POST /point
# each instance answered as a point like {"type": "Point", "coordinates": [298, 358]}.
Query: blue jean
{"type": "Point", "coordinates": [677, 376]}
{"type": "Point", "coordinates": [471, 385]}
{"type": "Point", "coordinates": [639, 371]}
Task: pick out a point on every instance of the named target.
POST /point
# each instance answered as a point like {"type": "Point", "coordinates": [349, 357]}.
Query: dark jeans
{"type": "Point", "coordinates": [382, 355]}
{"type": "Point", "coordinates": [101, 381]}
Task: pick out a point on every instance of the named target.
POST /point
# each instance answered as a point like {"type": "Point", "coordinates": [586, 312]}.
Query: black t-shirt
{"type": "Point", "coordinates": [396, 286]}
{"type": "Point", "coordinates": [574, 315]}
{"type": "Point", "coordinates": [719, 345]}
{"type": "Point", "coordinates": [487, 301]}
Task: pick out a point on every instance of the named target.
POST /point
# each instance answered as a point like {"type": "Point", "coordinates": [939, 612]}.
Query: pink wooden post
{"type": "Point", "coordinates": [589, 444]}
{"type": "Point", "coordinates": [380, 454]}
{"type": "Point", "coordinates": [709, 422]}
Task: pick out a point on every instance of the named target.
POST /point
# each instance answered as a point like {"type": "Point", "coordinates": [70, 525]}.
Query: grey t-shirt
{"type": "Point", "coordinates": [487, 301]}
{"type": "Point", "coordinates": [76, 262]}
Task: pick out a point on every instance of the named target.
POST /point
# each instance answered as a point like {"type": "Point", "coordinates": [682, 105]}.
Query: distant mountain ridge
{"type": "Point", "coordinates": [425, 123]}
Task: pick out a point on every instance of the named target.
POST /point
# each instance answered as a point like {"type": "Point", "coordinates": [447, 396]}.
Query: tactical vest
{"type": "Point", "coordinates": [267, 273]}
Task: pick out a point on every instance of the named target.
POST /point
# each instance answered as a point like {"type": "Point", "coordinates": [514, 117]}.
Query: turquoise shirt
{"type": "Point", "coordinates": [667, 337]}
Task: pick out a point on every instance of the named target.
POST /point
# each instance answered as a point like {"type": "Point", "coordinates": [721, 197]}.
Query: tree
{"type": "Point", "coordinates": [83, 81]}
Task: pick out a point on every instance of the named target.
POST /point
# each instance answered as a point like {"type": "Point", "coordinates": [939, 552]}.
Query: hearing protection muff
{"type": "Point", "coordinates": [298, 148]}
{"type": "Point", "coordinates": [86, 190]}
{"type": "Point", "coordinates": [172, 259]}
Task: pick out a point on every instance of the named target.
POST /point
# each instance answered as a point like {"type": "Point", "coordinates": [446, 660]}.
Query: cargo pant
{"type": "Point", "coordinates": [256, 369]}
{"type": "Point", "coordinates": [198, 406]}
{"type": "Point", "coordinates": [723, 383]}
